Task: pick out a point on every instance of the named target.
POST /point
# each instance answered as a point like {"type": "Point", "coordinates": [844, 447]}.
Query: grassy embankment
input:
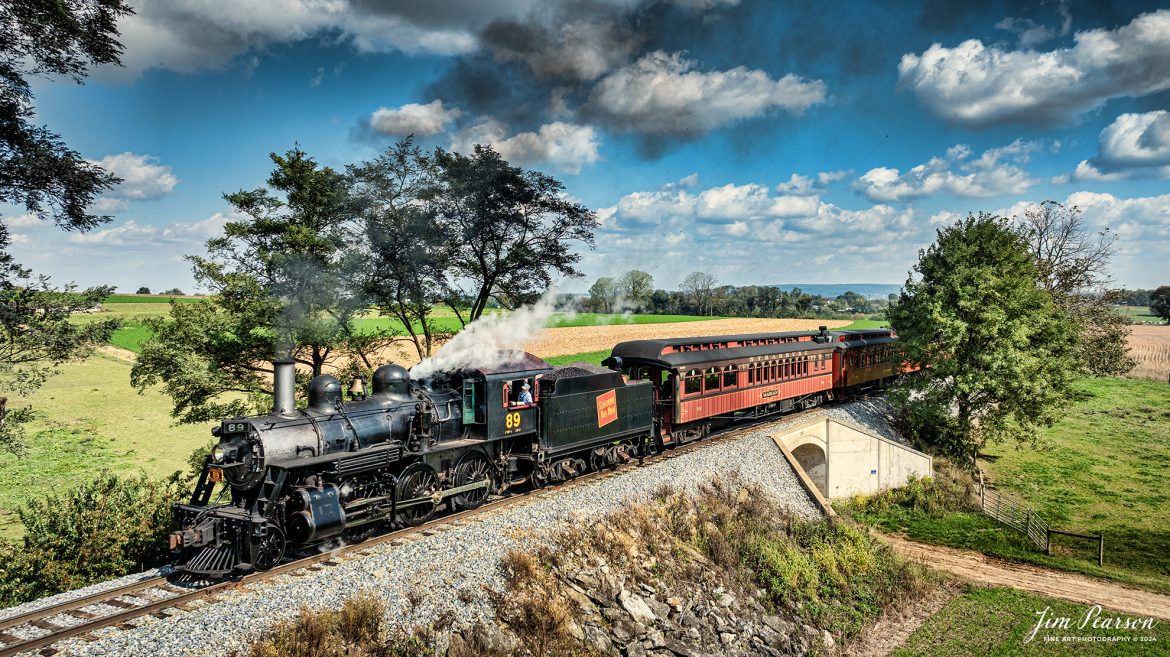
{"type": "Point", "coordinates": [1102, 468]}
{"type": "Point", "coordinates": [997, 621]}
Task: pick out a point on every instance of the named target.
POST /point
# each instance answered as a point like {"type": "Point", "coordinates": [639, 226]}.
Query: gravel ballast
{"type": "Point", "coordinates": [463, 558]}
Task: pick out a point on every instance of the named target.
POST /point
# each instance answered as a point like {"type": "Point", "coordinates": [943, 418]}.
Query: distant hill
{"type": "Point", "coordinates": [833, 290]}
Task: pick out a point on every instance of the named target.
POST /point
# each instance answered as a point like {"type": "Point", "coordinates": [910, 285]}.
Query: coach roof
{"type": "Point", "coordinates": [634, 351]}
{"type": "Point", "coordinates": [651, 349]}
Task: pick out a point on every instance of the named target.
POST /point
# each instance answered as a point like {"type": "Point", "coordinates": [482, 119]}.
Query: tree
{"type": "Point", "coordinates": [407, 252]}
{"type": "Point", "coordinates": [1160, 303]}
{"type": "Point", "coordinates": [284, 287]}
{"type": "Point", "coordinates": [51, 181]}
{"type": "Point", "coordinates": [603, 294]}
{"type": "Point", "coordinates": [143, 290]}
{"type": "Point", "coordinates": [512, 229]}
{"type": "Point", "coordinates": [635, 287]}
{"type": "Point", "coordinates": [174, 292]}
{"type": "Point", "coordinates": [37, 169]}
{"type": "Point", "coordinates": [998, 356]}
{"type": "Point", "coordinates": [1073, 266]}
{"type": "Point", "coordinates": [700, 287]}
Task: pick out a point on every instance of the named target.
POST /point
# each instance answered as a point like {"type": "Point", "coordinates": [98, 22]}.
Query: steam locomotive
{"type": "Point", "coordinates": [339, 471]}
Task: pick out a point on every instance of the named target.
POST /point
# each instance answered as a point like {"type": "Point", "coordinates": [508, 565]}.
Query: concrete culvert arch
{"type": "Point", "coordinates": [811, 458]}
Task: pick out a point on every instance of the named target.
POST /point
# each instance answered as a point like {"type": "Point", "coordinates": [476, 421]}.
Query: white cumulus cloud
{"type": "Point", "coordinates": [977, 85]}
{"type": "Point", "coordinates": [131, 233]}
{"type": "Point", "coordinates": [805, 185]}
{"type": "Point", "coordinates": [564, 146]}
{"type": "Point", "coordinates": [142, 177]}
{"type": "Point", "coordinates": [661, 93]}
{"type": "Point", "coordinates": [414, 119]}
{"type": "Point", "coordinates": [994, 173]}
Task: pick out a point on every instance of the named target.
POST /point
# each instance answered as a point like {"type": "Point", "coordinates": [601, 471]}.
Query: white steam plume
{"type": "Point", "coordinates": [491, 339]}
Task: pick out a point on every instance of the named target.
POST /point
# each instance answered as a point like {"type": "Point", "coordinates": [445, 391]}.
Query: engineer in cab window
{"type": "Point", "coordinates": [525, 398]}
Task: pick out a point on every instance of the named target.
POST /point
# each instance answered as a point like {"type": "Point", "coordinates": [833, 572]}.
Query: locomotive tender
{"type": "Point", "coordinates": [338, 471]}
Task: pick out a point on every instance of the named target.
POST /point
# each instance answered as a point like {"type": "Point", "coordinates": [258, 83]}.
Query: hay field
{"type": "Point", "coordinates": [551, 342]}
{"type": "Point", "coordinates": [1150, 346]}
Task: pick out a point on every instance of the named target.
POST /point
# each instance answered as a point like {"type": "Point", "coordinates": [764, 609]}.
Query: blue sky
{"type": "Point", "coordinates": [762, 142]}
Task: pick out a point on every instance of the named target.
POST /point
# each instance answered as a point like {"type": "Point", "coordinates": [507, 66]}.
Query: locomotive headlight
{"type": "Point", "coordinates": [218, 454]}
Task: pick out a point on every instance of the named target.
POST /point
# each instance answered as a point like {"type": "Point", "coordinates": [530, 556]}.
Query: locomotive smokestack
{"type": "Point", "coordinates": [284, 388]}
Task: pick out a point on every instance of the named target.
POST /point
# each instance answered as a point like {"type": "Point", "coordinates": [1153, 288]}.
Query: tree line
{"type": "Point", "coordinates": [701, 293]}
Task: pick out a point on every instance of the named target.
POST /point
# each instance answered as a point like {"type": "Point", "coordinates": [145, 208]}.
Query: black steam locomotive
{"type": "Point", "coordinates": [340, 470]}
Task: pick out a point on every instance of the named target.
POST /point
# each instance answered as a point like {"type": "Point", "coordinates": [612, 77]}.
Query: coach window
{"type": "Point", "coordinates": [711, 381]}
{"type": "Point", "coordinates": [729, 377]}
{"type": "Point", "coordinates": [693, 384]}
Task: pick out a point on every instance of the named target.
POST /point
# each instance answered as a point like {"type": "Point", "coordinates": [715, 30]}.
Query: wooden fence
{"type": "Point", "coordinates": [1023, 519]}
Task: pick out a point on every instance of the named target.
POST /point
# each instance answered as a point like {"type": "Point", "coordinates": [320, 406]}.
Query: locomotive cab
{"type": "Point", "coordinates": [491, 398]}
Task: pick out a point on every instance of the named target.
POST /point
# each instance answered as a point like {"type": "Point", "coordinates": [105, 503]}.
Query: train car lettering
{"type": "Point", "coordinates": [606, 408]}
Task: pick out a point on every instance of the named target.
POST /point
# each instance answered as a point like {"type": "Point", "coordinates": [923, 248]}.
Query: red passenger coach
{"type": "Point", "coordinates": [702, 383]}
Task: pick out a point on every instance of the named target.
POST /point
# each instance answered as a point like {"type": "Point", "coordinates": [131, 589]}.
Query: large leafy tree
{"type": "Point", "coordinates": [998, 355]}
{"type": "Point", "coordinates": [603, 294]}
{"type": "Point", "coordinates": [636, 286]}
{"type": "Point", "coordinates": [49, 180]}
{"type": "Point", "coordinates": [1160, 302]}
{"type": "Point", "coordinates": [700, 287]}
{"type": "Point", "coordinates": [405, 249]}
{"type": "Point", "coordinates": [513, 230]}
{"type": "Point", "coordinates": [1072, 263]}
{"type": "Point", "coordinates": [283, 283]}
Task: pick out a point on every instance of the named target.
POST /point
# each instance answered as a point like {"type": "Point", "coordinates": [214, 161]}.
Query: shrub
{"type": "Point", "coordinates": [106, 528]}
{"type": "Point", "coordinates": [951, 489]}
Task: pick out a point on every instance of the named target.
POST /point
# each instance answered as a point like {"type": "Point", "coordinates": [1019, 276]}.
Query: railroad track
{"type": "Point", "coordinates": [160, 597]}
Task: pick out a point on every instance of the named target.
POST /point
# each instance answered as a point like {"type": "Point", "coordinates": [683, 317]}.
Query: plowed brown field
{"type": "Point", "coordinates": [1150, 346]}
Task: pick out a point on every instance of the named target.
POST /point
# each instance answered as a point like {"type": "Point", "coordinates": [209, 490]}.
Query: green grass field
{"type": "Point", "coordinates": [996, 623]}
{"type": "Point", "coordinates": [594, 357]}
{"type": "Point", "coordinates": [865, 324]}
{"type": "Point", "coordinates": [143, 298]}
{"type": "Point", "coordinates": [1102, 468]}
{"type": "Point", "coordinates": [90, 419]}
{"type": "Point", "coordinates": [1139, 315]}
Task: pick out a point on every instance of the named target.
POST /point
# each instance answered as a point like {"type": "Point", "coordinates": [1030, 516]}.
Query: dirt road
{"type": "Point", "coordinates": [983, 569]}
